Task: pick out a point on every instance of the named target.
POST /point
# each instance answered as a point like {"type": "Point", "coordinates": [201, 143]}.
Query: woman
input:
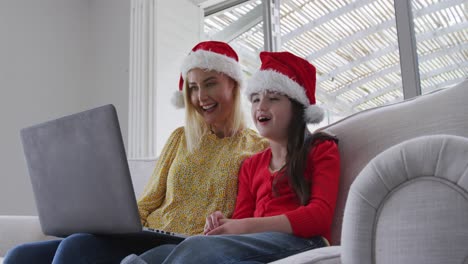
{"type": "Point", "coordinates": [287, 193]}
{"type": "Point", "coordinates": [195, 174]}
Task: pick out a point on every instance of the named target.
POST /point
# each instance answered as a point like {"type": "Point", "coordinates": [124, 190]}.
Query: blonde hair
{"type": "Point", "coordinates": [196, 127]}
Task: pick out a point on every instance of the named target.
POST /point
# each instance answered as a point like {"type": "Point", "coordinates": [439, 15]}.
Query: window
{"type": "Point", "coordinates": [441, 29]}
{"type": "Point", "coordinates": [354, 45]}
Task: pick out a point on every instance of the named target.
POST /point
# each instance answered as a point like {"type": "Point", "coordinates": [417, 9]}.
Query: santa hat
{"type": "Point", "coordinates": [209, 55]}
{"type": "Point", "coordinates": [290, 75]}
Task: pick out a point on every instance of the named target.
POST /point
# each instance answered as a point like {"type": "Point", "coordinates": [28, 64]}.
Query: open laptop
{"type": "Point", "coordinates": [80, 176]}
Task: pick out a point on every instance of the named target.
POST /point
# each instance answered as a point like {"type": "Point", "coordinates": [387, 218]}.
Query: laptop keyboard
{"type": "Point", "coordinates": [164, 232]}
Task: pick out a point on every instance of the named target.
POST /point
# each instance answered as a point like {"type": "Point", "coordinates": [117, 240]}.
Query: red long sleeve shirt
{"type": "Point", "coordinates": [255, 196]}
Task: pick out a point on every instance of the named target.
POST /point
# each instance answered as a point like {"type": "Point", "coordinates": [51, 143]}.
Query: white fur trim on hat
{"type": "Point", "coordinates": [313, 114]}
{"type": "Point", "coordinates": [178, 100]}
{"type": "Point", "coordinates": [213, 61]}
{"type": "Point", "coordinates": [270, 80]}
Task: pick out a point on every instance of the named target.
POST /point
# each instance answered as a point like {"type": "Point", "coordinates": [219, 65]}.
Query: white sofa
{"type": "Point", "coordinates": [362, 137]}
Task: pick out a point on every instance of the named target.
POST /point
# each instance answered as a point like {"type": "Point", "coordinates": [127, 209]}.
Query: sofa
{"type": "Point", "coordinates": [360, 233]}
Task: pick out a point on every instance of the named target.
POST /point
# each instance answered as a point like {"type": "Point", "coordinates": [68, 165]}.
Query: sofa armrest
{"type": "Point", "coordinates": [16, 230]}
{"type": "Point", "coordinates": [325, 255]}
{"type": "Point", "coordinates": [409, 205]}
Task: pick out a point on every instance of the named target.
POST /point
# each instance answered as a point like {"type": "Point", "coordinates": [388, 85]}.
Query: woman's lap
{"type": "Point", "coordinates": [84, 248]}
{"type": "Point", "coordinates": [40, 252]}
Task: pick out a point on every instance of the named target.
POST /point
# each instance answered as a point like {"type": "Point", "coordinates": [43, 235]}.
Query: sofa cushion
{"type": "Point", "coordinates": [141, 171]}
{"type": "Point", "coordinates": [21, 229]}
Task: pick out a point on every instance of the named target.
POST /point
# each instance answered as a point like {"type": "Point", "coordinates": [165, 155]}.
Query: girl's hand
{"type": "Point", "coordinates": [213, 221]}
{"type": "Point", "coordinates": [278, 223]}
{"type": "Point", "coordinates": [230, 226]}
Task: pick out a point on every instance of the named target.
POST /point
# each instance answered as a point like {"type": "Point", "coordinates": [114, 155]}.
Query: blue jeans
{"type": "Point", "coordinates": [248, 248]}
{"type": "Point", "coordinates": [84, 248]}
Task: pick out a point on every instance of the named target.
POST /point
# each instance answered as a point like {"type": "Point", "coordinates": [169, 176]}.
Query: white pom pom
{"type": "Point", "coordinates": [313, 114]}
{"type": "Point", "coordinates": [178, 100]}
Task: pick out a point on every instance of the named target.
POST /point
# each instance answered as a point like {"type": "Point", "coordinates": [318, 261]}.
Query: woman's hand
{"type": "Point", "coordinates": [213, 221]}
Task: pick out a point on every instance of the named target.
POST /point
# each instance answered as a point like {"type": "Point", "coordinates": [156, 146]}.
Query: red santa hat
{"type": "Point", "coordinates": [290, 75]}
{"type": "Point", "coordinates": [209, 55]}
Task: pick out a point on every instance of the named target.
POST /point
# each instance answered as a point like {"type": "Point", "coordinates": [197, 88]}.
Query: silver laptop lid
{"type": "Point", "coordinates": [80, 175]}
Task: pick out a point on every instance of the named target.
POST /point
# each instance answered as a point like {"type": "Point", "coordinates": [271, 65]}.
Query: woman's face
{"type": "Point", "coordinates": [272, 113]}
{"type": "Point", "coordinates": [212, 95]}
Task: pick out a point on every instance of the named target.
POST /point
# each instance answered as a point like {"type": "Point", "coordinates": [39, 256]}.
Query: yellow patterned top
{"type": "Point", "coordinates": [187, 187]}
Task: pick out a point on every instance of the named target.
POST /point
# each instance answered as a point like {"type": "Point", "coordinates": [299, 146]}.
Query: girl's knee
{"type": "Point", "coordinates": [201, 244]}
{"type": "Point", "coordinates": [196, 249]}
{"type": "Point", "coordinates": [158, 254]}
{"type": "Point", "coordinates": [196, 241]}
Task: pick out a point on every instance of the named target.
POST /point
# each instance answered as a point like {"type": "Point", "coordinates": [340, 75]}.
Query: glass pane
{"type": "Point", "coordinates": [353, 45]}
{"type": "Point", "coordinates": [242, 27]}
{"type": "Point", "coordinates": [441, 29]}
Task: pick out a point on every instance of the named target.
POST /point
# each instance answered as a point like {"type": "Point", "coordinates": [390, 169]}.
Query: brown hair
{"type": "Point", "coordinates": [300, 143]}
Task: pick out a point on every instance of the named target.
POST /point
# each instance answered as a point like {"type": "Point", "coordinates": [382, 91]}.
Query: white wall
{"type": "Point", "coordinates": [109, 50]}
{"type": "Point", "coordinates": [57, 57]}
{"type": "Point", "coordinates": [178, 29]}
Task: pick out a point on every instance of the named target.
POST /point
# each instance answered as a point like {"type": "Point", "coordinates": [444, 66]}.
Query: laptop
{"type": "Point", "coordinates": [80, 176]}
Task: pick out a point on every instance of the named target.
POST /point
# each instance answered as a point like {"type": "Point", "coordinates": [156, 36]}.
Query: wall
{"type": "Point", "coordinates": [109, 49]}
{"type": "Point", "coordinates": [177, 31]}
{"type": "Point", "coordinates": [57, 57]}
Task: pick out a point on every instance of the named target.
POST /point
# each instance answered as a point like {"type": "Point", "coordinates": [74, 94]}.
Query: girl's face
{"type": "Point", "coordinates": [271, 113]}
{"type": "Point", "coordinates": [212, 95]}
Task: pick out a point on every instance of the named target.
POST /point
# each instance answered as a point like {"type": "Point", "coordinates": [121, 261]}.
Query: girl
{"type": "Point", "coordinates": [194, 175]}
{"type": "Point", "coordinates": [287, 193]}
